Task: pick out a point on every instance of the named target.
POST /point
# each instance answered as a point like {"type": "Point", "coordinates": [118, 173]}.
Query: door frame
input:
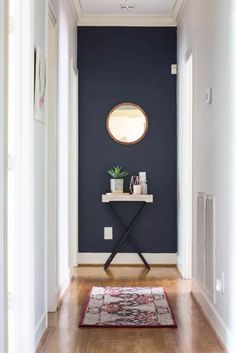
{"type": "Point", "coordinates": [73, 165]}
{"type": "Point", "coordinates": [3, 174]}
{"type": "Point", "coordinates": [52, 292]}
{"type": "Point", "coordinates": [188, 156]}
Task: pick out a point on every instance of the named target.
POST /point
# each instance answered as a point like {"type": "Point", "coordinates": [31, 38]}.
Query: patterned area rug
{"type": "Point", "coordinates": [127, 307]}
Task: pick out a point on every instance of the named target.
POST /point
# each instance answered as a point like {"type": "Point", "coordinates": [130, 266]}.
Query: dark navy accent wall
{"type": "Point", "coordinates": [127, 65]}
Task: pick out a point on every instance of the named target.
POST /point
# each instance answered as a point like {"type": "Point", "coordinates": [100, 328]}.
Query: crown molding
{"type": "Point", "coordinates": [127, 20]}
{"type": "Point", "coordinates": [75, 6]}
{"type": "Point", "coordinates": [178, 10]}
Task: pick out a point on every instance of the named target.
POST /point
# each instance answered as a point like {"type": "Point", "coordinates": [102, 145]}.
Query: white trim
{"type": "Point", "coordinates": [3, 174]}
{"type": "Point", "coordinates": [42, 323]}
{"type": "Point", "coordinates": [73, 164]}
{"type": "Point", "coordinates": [179, 9]}
{"type": "Point", "coordinates": [40, 329]}
{"type": "Point", "coordinates": [75, 6]}
{"type": "Point", "coordinates": [51, 275]}
{"type": "Point", "coordinates": [179, 265]}
{"type": "Point", "coordinates": [223, 332]}
{"type": "Point", "coordinates": [126, 258]}
{"type": "Point", "coordinates": [129, 21]}
{"type": "Point", "coordinates": [187, 260]}
{"type": "Point", "coordinates": [186, 180]}
{"type": "Point", "coordinates": [64, 286]}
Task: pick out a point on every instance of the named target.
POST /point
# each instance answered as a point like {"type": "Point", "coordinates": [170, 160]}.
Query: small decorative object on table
{"type": "Point", "coordinates": [137, 189]}
{"type": "Point", "coordinates": [143, 182]}
{"type": "Point", "coordinates": [117, 180]}
{"type": "Point", "coordinates": [134, 186]}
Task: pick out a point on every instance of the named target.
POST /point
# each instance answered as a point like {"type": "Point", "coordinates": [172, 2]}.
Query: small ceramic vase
{"type": "Point", "coordinates": [133, 181]}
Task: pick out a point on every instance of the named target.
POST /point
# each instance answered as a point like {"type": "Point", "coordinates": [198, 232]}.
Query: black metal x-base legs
{"type": "Point", "coordinates": [126, 236]}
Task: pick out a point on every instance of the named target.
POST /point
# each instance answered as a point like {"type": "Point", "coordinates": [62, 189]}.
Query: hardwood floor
{"type": "Point", "coordinates": [193, 334]}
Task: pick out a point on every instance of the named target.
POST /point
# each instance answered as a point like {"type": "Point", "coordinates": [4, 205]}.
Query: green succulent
{"type": "Point", "coordinates": [117, 173]}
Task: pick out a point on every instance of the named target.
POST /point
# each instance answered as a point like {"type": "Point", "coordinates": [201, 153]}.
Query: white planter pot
{"type": "Point", "coordinates": [117, 185]}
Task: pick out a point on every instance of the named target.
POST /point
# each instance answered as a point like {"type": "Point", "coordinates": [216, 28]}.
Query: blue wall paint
{"type": "Point", "coordinates": [127, 65]}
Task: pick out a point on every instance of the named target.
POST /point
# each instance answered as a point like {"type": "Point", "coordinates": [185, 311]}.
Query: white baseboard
{"type": "Point", "coordinates": [126, 258]}
{"type": "Point", "coordinates": [42, 323]}
{"type": "Point", "coordinates": [179, 265]}
{"type": "Point", "coordinates": [65, 284]}
{"type": "Point", "coordinates": [223, 332]}
{"type": "Point", "coordinates": [40, 329]}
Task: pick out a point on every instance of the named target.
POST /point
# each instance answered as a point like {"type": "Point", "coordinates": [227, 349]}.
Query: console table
{"type": "Point", "coordinates": [109, 199]}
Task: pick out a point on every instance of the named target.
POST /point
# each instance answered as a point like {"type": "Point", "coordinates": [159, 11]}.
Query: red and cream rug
{"type": "Point", "coordinates": [127, 307]}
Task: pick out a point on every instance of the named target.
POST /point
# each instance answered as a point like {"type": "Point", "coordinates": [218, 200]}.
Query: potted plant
{"type": "Point", "coordinates": [117, 180]}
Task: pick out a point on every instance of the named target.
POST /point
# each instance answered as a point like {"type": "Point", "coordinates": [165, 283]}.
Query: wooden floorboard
{"type": "Point", "coordinates": [193, 334]}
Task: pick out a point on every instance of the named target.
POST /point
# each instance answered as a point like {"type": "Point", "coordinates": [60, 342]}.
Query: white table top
{"type": "Point", "coordinates": [126, 198]}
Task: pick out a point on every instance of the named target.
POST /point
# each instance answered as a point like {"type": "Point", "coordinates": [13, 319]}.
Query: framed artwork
{"type": "Point", "coordinates": [40, 86]}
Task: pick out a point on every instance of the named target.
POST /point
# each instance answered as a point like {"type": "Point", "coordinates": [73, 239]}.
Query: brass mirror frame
{"type": "Point", "coordinates": [141, 137]}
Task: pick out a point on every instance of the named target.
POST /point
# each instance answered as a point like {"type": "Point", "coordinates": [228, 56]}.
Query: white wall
{"type": "Point", "coordinates": [3, 288]}
{"type": "Point", "coordinates": [210, 27]}
{"type": "Point", "coordinates": [67, 30]}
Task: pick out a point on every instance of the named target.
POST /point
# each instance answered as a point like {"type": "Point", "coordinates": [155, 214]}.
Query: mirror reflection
{"type": "Point", "coordinates": [127, 123]}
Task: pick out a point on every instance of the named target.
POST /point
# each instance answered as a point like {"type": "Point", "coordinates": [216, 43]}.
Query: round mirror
{"type": "Point", "coordinates": [127, 123]}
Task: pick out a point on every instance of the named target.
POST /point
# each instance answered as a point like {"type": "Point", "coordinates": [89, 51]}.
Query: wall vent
{"type": "Point", "coordinates": [205, 257]}
{"type": "Point", "coordinates": [201, 213]}
{"type": "Point", "coordinates": [210, 246]}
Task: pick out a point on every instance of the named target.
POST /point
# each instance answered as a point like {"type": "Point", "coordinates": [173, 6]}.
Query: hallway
{"type": "Point", "coordinates": [127, 103]}
{"type": "Point", "coordinates": [192, 336]}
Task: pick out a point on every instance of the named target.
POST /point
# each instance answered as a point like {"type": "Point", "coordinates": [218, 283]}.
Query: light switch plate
{"type": "Point", "coordinates": [219, 285]}
{"type": "Point", "coordinates": [108, 233]}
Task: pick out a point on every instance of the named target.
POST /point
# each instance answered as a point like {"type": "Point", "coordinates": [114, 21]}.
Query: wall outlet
{"type": "Point", "coordinates": [174, 69]}
{"type": "Point", "coordinates": [108, 233]}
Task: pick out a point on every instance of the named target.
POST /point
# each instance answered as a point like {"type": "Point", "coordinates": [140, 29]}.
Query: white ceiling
{"type": "Point", "coordinates": [145, 12]}
{"type": "Point", "coordinates": [112, 7]}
